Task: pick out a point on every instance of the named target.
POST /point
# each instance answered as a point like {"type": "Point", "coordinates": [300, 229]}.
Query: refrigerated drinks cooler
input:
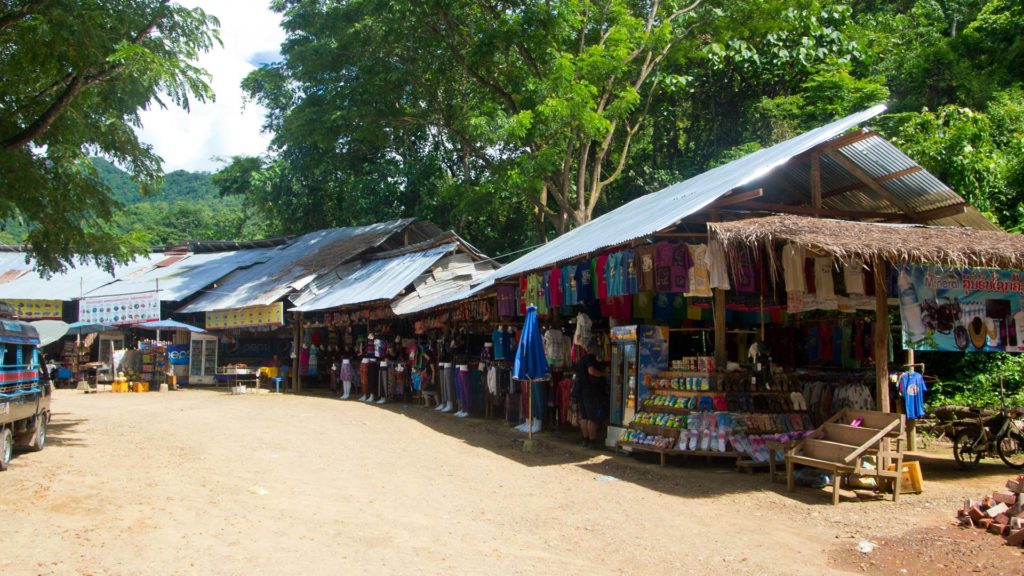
{"type": "Point", "coordinates": [638, 354]}
{"type": "Point", "coordinates": [202, 359]}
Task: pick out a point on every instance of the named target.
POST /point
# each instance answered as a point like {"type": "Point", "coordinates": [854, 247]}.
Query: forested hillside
{"type": "Point", "coordinates": [185, 206]}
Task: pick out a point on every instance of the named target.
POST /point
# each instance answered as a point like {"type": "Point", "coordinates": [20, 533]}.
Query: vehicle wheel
{"type": "Point", "coordinates": [6, 448]}
{"type": "Point", "coordinates": [1011, 450]}
{"type": "Point", "coordinates": [39, 438]}
{"type": "Point", "coordinates": [963, 448]}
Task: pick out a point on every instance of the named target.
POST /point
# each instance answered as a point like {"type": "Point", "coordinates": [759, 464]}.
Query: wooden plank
{"type": "Point", "coordinates": [848, 139]}
{"type": "Point", "coordinates": [829, 451]}
{"type": "Point", "coordinates": [899, 174]}
{"type": "Point", "coordinates": [876, 420]}
{"type": "Point", "coordinates": [736, 198]}
{"type": "Point", "coordinates": [848, 434]}
{"type": "Point", "coordinates": [944, 212]}
{"type": "Point", "coordinates": [866, 178]}
{"type": "Point", "coordinates": [811, 211]}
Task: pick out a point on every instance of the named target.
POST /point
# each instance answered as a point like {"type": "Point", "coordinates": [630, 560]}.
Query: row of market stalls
{"type": "Point", "coordinates": [754, 298]}
{"type": "Point", "coordinates": [233, 300]}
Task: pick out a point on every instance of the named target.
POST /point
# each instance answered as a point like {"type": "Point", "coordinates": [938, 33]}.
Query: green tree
{"type": "Point", "coordinates": [538, 101]}
{"type": "Point", "coordinates": [75, 74]}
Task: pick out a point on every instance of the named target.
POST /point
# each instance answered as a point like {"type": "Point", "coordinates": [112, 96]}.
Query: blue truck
{"type": "Point", "coordinates": [25, 391]}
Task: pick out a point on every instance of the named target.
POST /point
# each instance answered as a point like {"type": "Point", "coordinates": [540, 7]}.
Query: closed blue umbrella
{"type": "Point", "coordinates": [531, 363]}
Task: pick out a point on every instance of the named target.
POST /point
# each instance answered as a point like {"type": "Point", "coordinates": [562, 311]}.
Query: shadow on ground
{"type": "Point", "coordinates": [61, 430]}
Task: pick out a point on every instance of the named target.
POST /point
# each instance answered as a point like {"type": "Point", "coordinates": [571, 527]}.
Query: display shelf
{"type": "Point", "coordinates": [663, 452]}
{"type": "Point", "coordinates": [655, 430]}
{"type": "Point", "coordinates": [665, 409]}
{"type": "Point", "coordinates": [684, 373]}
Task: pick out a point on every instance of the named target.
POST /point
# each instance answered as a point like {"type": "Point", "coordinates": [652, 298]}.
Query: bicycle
{"type": "Point", "coordinates": [1001, 433]}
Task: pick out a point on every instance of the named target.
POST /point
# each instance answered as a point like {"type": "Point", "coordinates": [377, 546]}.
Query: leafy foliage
{"type": "Point", "coordinates": [75, 75]}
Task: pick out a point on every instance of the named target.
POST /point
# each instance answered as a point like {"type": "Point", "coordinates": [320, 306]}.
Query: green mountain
{"type": "Point", "coordinates": [187, 206]}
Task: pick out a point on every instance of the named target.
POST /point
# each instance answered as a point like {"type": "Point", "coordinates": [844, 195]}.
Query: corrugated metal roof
{"type": "Point", "coordinates": [450, 281]}
{"type": "Point", "coordinates": [293, 264]}
{"type": "Point", "coordinates": [187, 275]}
{"type": "Point", "coordinates": [367, 281]}
{"type": "Point", "coordinates": [659, 210]}
{"type": "Point", "coordinates": [69, 285]}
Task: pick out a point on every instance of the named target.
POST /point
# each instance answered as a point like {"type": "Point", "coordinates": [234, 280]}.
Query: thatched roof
{"type": "Point", "coordinates": [896, 243]}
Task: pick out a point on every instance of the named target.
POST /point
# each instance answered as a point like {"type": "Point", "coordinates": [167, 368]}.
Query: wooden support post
{"type": "Point", "coordinates": [296, 348]}
{"type": "Point", "coordinates": [881, 336]}
{"type": "Point", "coordinates": [719, 310]}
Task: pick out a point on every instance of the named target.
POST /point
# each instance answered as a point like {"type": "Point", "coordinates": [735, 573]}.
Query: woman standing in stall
{"type": "Point", "coordinates": [593, 396]}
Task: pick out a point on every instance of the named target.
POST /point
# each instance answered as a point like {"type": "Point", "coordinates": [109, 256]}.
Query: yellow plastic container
{"type": "Point", "coordinates": [119, 386]}
{"type": "Point", "coordinates": [911, 480]}
{"type": "Point", "coordinates": [142, 386]}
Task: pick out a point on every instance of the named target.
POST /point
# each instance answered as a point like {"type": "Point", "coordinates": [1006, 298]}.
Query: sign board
{"type": "Point", "coordinates": [120, 310]}
{"type": "Point", "coordinates": [177, 354]}
{"type": "Point", "coordinates": [248, 317]}
{"type": "Point", "coordinates": [961, 309]}
{"type": "Point", "coordinates": [36, 309]}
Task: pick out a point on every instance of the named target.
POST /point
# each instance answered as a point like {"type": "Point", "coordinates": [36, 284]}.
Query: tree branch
{"type": "Point", "coordinates": [12, 18]}
{"type": "Point", "coordinates": [73, 87]}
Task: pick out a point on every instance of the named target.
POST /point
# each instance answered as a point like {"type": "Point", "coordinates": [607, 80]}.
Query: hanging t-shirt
{"type": "Point", "coordinates": [506, 296]}
{"type": "Point", "coordinates": [583, 329]}
{"type": "Point", "coordinates": [745, 277]}
{"type": "Point", "coordinates": [524, 295]}
{"type": "Point", "coordinates": [678, 309]}
{"type": "Point", "coordinates": [643, 304]}
{"type": "Point", "coordinates": [853, 277]}
{"type": "Point", "coordinates": [584, 282]}
{"type": "Point", "coordinates": [824, 287]}
{"type": "Point", "coordinates": [700, 277]}
{"type": "Point", "coordinates": [663, 266]}
{"type": "Point", "coordinates": [555, 286]}
{"type": "Point", "coordinates": [645, 268]}
{"type": "Point", "coordinates": [601, 270]}
{"type": "Point", "coordinates": [681, 264]}
{"type": "Point", "coordinates": [912, 387]}
{"type": "Point", "coordinates": [663, 307]}
{"type": "Point", "coordinates": [569, 295]}
{"type": "Point", "coordinates": [545, 287]}
{"type": "Point", "coordinates": [718, 268]}
{"type": "Point", "coordinates": [630, 270]}
{"type": "Point", "coordinates": [500, 346]}
{"type": "Point", "coordinates": [613, 274]}
{"type": "Point", "coordinates": [793, 268]}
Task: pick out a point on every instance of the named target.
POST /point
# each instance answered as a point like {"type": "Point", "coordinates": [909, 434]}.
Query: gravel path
{"type": "Point", "coordinates": [201, 482]}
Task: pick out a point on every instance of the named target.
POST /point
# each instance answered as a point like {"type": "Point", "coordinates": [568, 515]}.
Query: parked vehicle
{"type": "Point", "coordinates": [985, 436]}
{"type": "Point", "coordinates": [25, 391]}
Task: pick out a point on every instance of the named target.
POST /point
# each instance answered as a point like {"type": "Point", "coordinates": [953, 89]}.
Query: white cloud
{"type": "Point", "coordinates": [229, 126]}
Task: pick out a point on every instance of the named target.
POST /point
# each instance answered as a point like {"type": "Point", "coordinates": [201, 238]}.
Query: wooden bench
{"type": "Point", "coordinates": [840, 443]}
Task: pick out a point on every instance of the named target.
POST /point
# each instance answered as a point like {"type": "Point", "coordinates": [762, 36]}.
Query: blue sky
{"type": "Point", "coordinates": [230, 126]}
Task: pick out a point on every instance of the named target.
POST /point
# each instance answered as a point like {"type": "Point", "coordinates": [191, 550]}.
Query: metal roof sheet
{"type": "Point", "coordinates": [367, 281]}
{"type": "Point", "coordinates": [293, 265]}
{"type": "Point", "coordinates": [659, 210]}
{"type": "Point", "coordinates": [186, 276]}
{"type": "Point", "coordinates": [66, 286]}
{"type": "Point", "coordinates": [451, 280]}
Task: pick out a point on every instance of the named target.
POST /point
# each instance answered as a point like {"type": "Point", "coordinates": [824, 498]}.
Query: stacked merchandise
{"type": "Point", "coordinates": [693, 410]}
{"type": "Point", "coordinates": [154, 364]}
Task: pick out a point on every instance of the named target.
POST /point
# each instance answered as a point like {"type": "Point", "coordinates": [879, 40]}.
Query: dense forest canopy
{"type": "Point", "coordinates": [512, 121]}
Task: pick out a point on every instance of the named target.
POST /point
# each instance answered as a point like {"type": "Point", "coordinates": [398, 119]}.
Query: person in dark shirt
{"type": "Point", "coordinates": [593, 396]}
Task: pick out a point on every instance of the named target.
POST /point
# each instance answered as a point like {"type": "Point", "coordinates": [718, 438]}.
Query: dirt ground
{"type": "Point", "coordinates": [202, 482]}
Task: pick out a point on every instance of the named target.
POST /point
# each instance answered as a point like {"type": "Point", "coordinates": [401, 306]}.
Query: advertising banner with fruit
{"type": "Point", "coordinates": [120, 310]}
{"type": "Point", "coordinates": [953, 309]}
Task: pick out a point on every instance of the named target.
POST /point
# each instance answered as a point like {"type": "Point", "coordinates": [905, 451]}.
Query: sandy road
{"type": "Point", "coordinates": [201, 482]}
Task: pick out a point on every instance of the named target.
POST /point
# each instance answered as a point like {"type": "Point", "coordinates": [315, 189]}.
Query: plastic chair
{"type": "Point", "coordinates": [282, 375]}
